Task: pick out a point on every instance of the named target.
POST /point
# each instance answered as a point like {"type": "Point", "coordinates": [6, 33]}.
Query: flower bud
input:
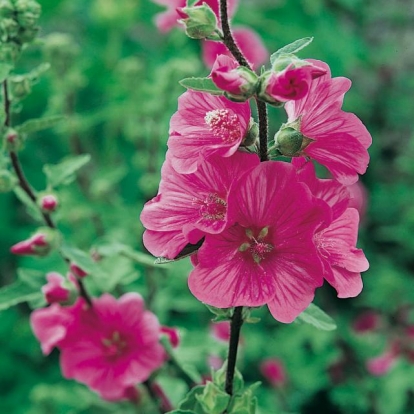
{"type": "Point", "coordinates": [77, 271]}
{"type": "Point", "coordinates": [12, 140]}
{"type": "Point", "coordinates": [48, 203]}
{"type": "Point", "coordinates": [40, 244]}
{"type": "Point", "coordinates": [238, 82]}
{"type": "Point", "coordinates": [54, 291]}
{"type": "Point", "coordinates": [200, 21]}
{"type": "Point", "coordinates": [290, 79]}
{"type": "Point", "coordinates": [172, 334]}
{"type": "Point", "coordinates": [9, 29]}
{"type": "Point", "coordinates": [252, 134]}
{"type": "Point", "coordinates": [20, 86]}
{"type": "Point", "coordinates": [7, 181]}
{"type": "Point", "coordinates": [290, 142]}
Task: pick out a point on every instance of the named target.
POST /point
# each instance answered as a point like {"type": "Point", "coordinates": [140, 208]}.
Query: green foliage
{"type": "Point", "coordinates": [291, 48]}
{"type": "Point", "coordinates": [317, 317]}
{"type": "Point", "coordinates": [201, 85]}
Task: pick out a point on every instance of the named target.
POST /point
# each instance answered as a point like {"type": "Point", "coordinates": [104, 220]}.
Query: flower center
{"type": "Point", "coordinates": [223, 124]}
{"type": "Point", "coordinates": [114, 346]}
{"type": "Point", "coordinates": [212, 207]}
{"type": "Point", "coordinates": [257, 246]}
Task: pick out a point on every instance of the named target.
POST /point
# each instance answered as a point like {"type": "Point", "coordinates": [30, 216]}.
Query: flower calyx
{"type": "Point", "coordinates": [200, 21]}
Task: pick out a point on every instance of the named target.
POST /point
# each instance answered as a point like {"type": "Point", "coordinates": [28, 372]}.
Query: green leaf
{"type": "Point", "coordinates": [31, 207]}
{"type": "Point", "coordinates": [315, 316]}
{"type": "Point", "coordinates": [27, 288]}
{"type": "Point", "coordinates": [293, 47]}
{"type": "Point", "coordinates": [64, 172]}
{"type": "Point", "coordinates": [39, 124]}
{"type": "Point", "coordinates": [191, 3]}
{"type": "Point", "coordinates": [5, 69]}
{"type": "Point", "coordinates": [181, 412]}
{"type": "Point", "coordinates": [202, 85]}
{"type": "Point", "coordinates": [190, 402]}
{"type": "Point", "coordinates": [79, 257]}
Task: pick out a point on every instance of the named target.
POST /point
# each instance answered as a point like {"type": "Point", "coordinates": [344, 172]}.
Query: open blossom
{"type": "Point", "coordinates": [381, 364]}
{"type": "Point", "coordinates": [249, 42]}
{"type": "Point", "coordinates": [336, 238]}
{"type": "Point", "coordinates": [168, 19]}
{"type": "Point", "coordinates": [268, 256]}
{"type": "Point", "coordinates": [205, 125]}
{"type": "Point", "coordinates": [190, 205]}
{"type": "Point", "coordinates": [110, 346]}
{"type": "Point", "coordinates": [273, 370]}
{"type": "Point", "coordinates": [292, 83]}
{"type": "Point", "coordinates": [336, 139]}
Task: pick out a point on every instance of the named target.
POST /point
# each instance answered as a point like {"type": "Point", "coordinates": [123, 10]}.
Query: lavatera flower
{"type": "Point", "coordinates": [268, 256]}
{"type": "Point", "coordinates": [318, 129]}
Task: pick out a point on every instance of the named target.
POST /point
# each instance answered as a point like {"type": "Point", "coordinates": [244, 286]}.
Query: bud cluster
{"type": "Point", "coordinates": [18, 25]}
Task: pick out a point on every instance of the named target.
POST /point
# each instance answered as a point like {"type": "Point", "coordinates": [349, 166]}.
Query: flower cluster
{"type": "Point", "coordinates": [270, 232]}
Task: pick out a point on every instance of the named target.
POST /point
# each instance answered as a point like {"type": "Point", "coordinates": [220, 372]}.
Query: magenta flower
{"type": "Point", "coordinates": [221, 331]}
{"type": "Point", "coordinates": [336, 139]}
{"type": "Point", "coordinates": [273, 370]}
{"type": "Point", "coordinates": [238, 81]}
{"type": "Point", "coordinates": [109, 347]}
{"type": "Point", "coordinates": [35, 245]}
{"type": "Point", "coordinates": [380, 365]}
{"type": "Point", "coordinates": [249, 43]}
{"type": "Point", "coordinates": [166, 20]}
{"type": "Point", "coordinates": [291, 83]}
{"type": "Point", "coordinates": [268, 256]}
{"type": "Point", "coordinates": [190, 205]}
{"type": "Point", "coordinates": [54, 290]}
{"type": "Point", "coordinates": [49, 203]}
{"type": "Point", "coordinates": [205, 125]}
{"type": "Point", "coordinates": [367, 322]}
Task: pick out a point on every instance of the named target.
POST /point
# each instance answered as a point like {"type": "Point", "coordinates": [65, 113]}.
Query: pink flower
{"type": "Point", "coordinates": [190, 205]}
{"type": "Point", "coordinates": [221, 330]}
{"type": "Point", "coordinates": [77, 271]}
{"type": "Point", "coordinates": [382, 364]}
{"type": "Point", "coordinates": [50, 326]}
{"type": "Point", "coordinates": [359, 198]}
{"type": "Point", "coordinates": [166, 20]}
{"type": "Point", "coordinates": [272, 369]}
{"type": "Point", "coordinates": [366, 322]}
{"type": "Point", "coordinates": [205, 125]}
{"type": "Point", "coordinates": [291, 83]}
{"type": "Point", "coordinates": [336, 139]}
{"type": "Point", "coordinates": [54, 290]}
{"type": "Point", "coordinates": [249, 43]}
{"type": "Point", "coordinates": [336, 246]}
{"type": "Point", "coordinates": [268, 256]}
{"type": "Point", "coordinates": [109, 347]}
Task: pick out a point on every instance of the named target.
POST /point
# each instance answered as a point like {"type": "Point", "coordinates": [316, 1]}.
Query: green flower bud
{"type": "Point", "coordinates": [213, 400]}
{"type": "Point", "coordinates": [200, 21]}
{"type": "Point", "coordinates": [28, 6]}
{"type": "Point", "coordinates": [290, 142]}
{"type": "Point", "coordinates": [251, 135]}
{"type": "Point", "coordinates": [9, 30]}
{"type": "Point", "coordinates": [20, 86]}
{"type": "Point", "coordinates": [9, 52]}
{"type": "Point", "coordinates": [28, 35]}
{"type": "Point", "coordinates": [7, 181]}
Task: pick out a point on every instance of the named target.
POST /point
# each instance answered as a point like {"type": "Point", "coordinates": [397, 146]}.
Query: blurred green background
{"type": "Point", "coordinates": [115, 78]}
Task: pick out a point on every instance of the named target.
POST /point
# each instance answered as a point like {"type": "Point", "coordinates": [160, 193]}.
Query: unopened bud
{"type": "Point", "coordinates": [12, 140]}
{"type": "Point", "coordinates": [172, 334]}
{"type": "Point", "coordinates": [20, 86]}
{"type": "Point", "coordinates": [200, 21]}
{"type": "Point", "coordinates": [48, 203]}
{"type": "Point", "coordinates": [54, 291]}
{"type": "Point", "coordinates": [290, 142]}
{"type": "Point", "coordinates": [40, 244]}
{"type": "Point", "coordinates": [251, 135]}
{"type": "Point", "coordinates": [272, 369]}
{"type": "Point", "coordinates": [6, 9]}
{"type": "Point", "coordinates": [7, 181]}
{"type": "Point", "coordinates": [77, 271]}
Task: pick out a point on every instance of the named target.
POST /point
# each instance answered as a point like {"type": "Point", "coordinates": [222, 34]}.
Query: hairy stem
{"type": "Point", "coordinates": [235, 327]}
{"type": "Point", "coordinates": [228, 40]}
{"type": "Point", "coordinates": [27, 188]}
